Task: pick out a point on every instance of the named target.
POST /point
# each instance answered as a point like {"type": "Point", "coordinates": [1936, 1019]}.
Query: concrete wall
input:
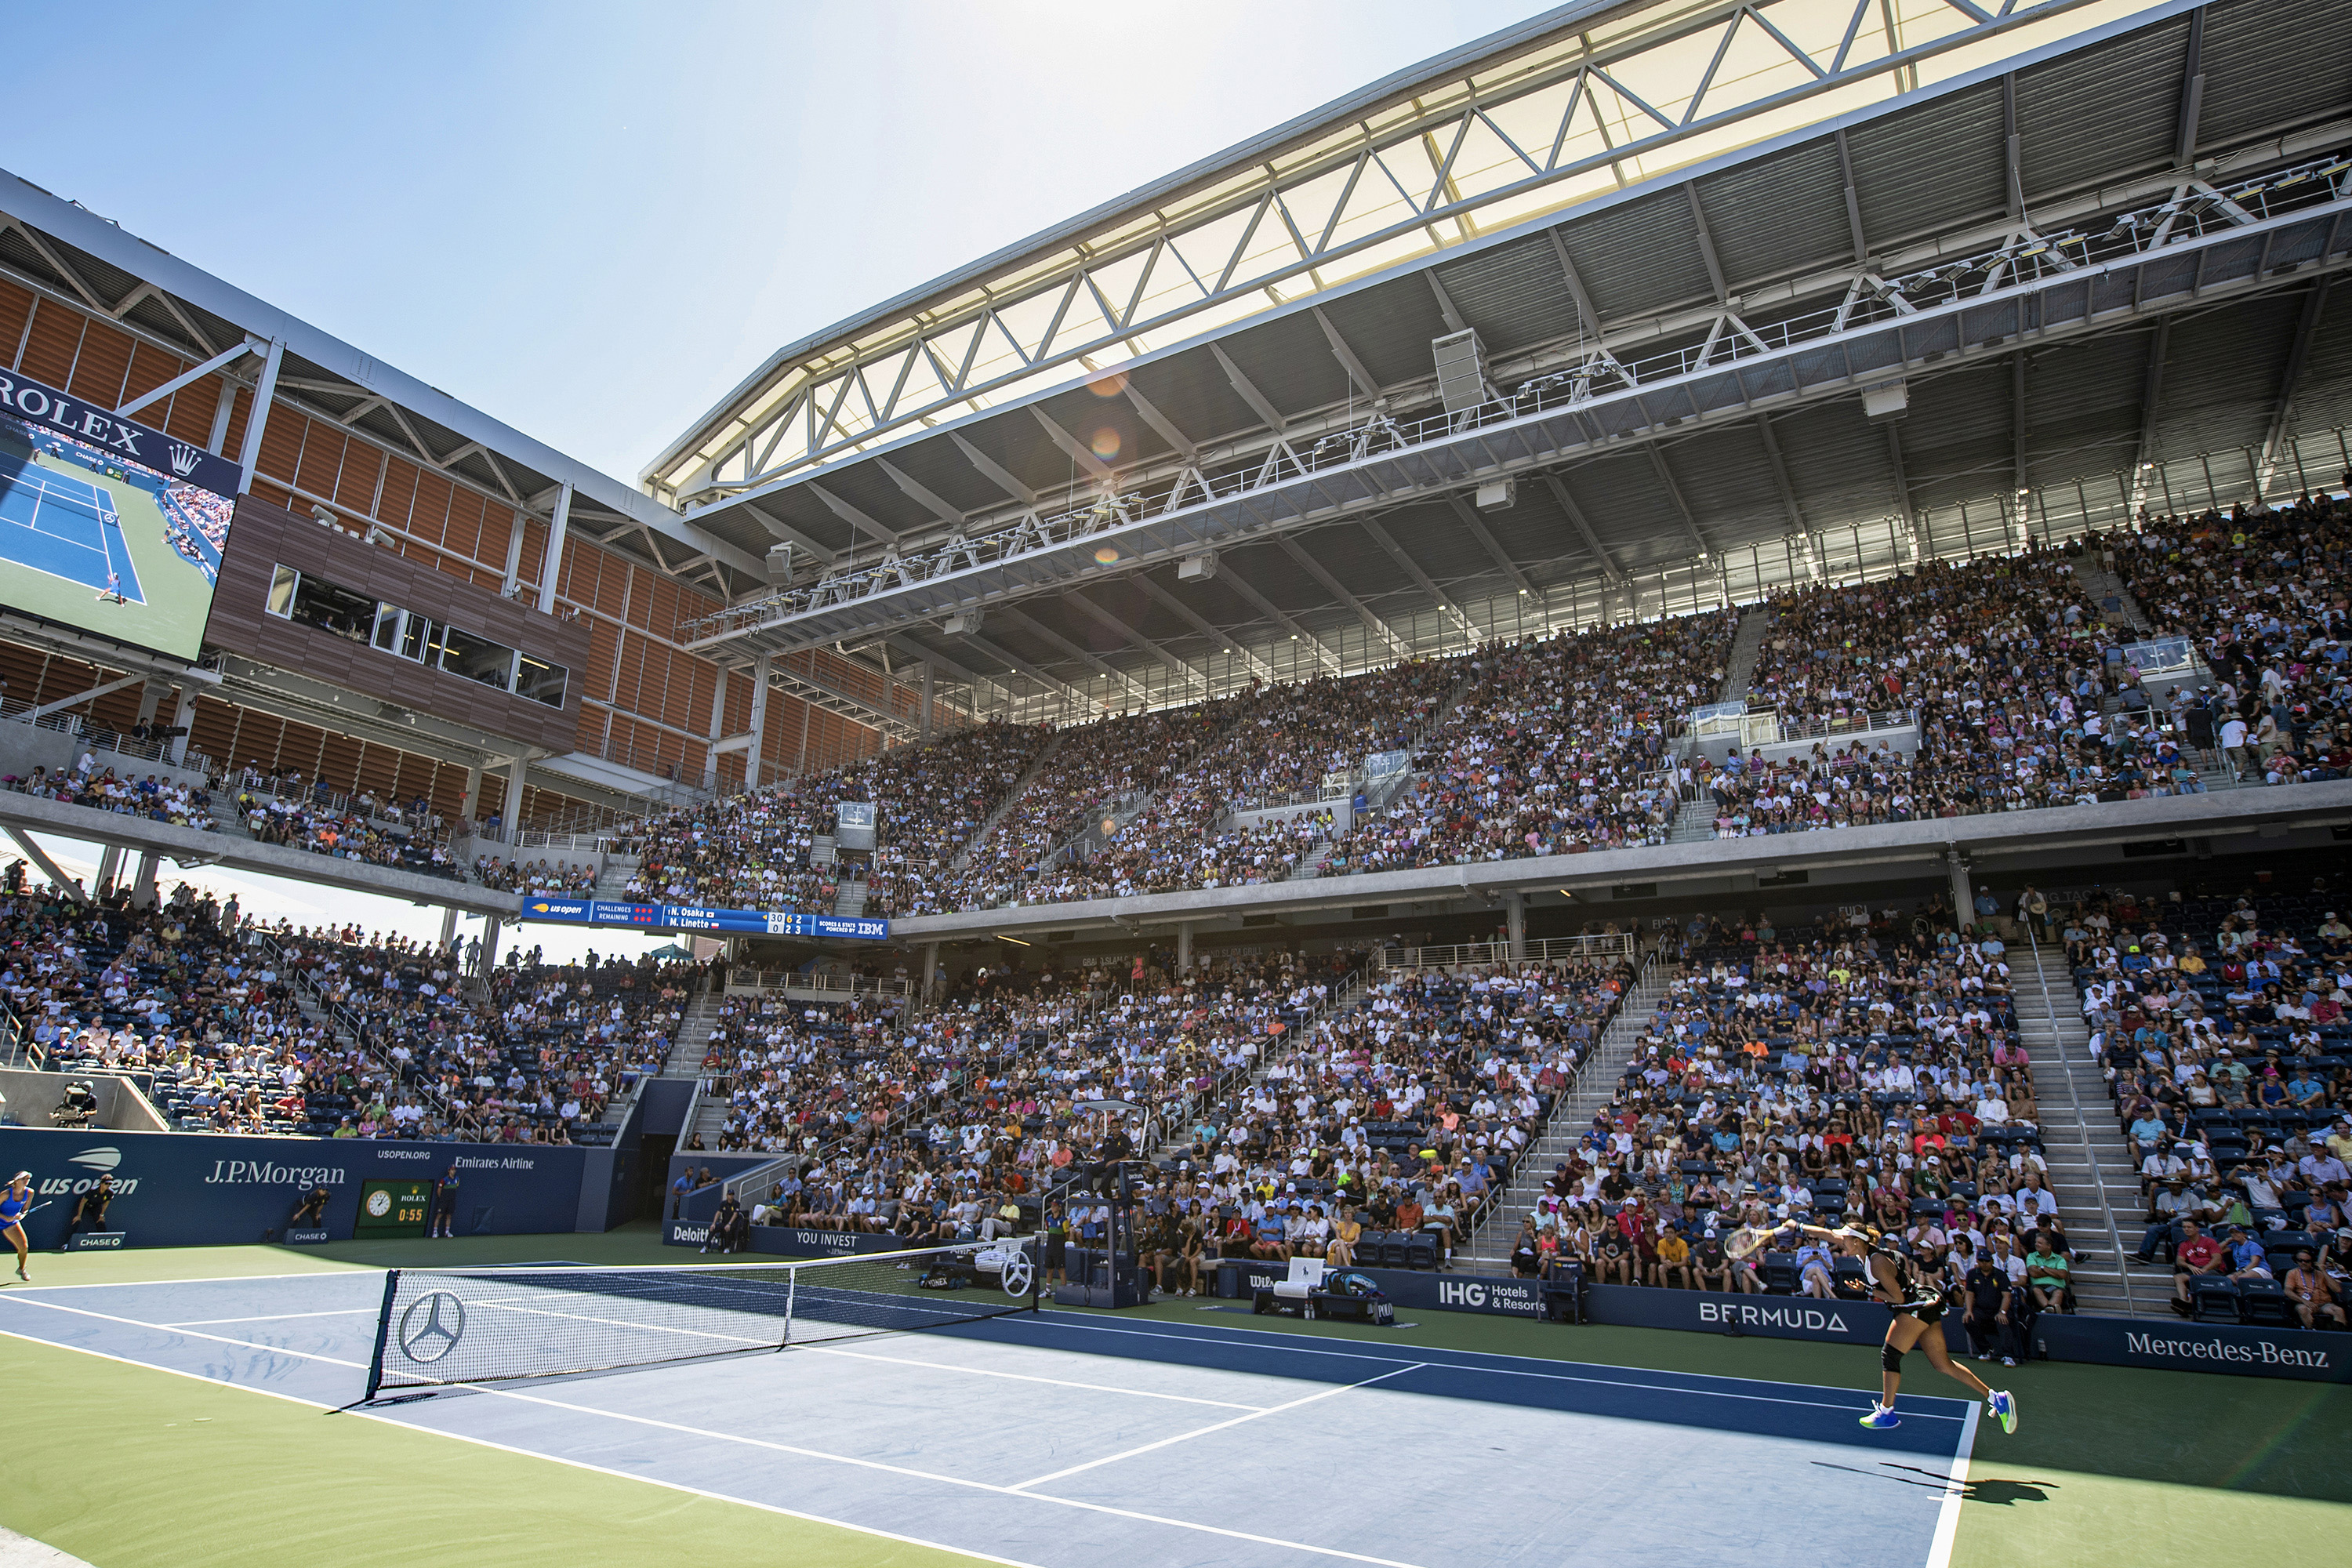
{"type": "Point", "coordinates": [1904, 738]}
{"type": "Point", "coordinates": [24, 746]}
{"type": "Point", "coordinates": [27, 1096]}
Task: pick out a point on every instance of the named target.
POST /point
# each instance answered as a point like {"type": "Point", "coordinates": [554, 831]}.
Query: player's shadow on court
{"type": "Point", "coordinates": [1991, 1490]}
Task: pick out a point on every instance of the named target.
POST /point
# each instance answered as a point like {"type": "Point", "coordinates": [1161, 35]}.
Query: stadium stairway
{"type": "Point", "coordinates": [2105, 587]}
{"type": "Point", "coordinates": [612, 881]}
{"type": "Point", "coordinates": [2090, 1169]}
{"type": "Point", "coordinates": [849, 900]}
{"type": "Point", "coordinates": [1021, 787]}
{"type": "Point", "coordinates": [1489, 1249]}
{"type": "Point", "coordinates": [1746, 648]}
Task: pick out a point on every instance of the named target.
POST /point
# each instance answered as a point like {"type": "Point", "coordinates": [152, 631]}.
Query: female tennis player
{"type": "Point", "coordinates": [1919, 1309]}
{"type": "Point", "coordinates": [16, 1203]}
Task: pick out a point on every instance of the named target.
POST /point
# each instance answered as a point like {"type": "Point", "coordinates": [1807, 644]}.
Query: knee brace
{"type": "Point", "coordinates": [1890, 1358]}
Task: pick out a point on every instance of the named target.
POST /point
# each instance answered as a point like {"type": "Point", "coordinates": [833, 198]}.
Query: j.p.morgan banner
{"type": "Point", "coordinates": [128, 439]}
{"type": "Point", "coordinates": [2194, 1347]}
{"type": "Point", "coordinates": [198, 1189]}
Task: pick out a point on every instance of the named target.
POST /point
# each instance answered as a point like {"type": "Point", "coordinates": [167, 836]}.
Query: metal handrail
{"type": "Point", "coordinates": [2082, 1123]}
{"type": "Point", "coordinates": [1604, 944]}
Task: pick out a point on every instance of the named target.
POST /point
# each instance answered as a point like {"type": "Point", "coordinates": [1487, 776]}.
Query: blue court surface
{"type": "Point", "coordinates": [1071, 1440]}
{"type": "Point", "coordinates": [66, 527]}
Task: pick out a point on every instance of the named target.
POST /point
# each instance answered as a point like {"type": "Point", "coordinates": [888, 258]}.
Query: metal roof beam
{"type": "Point", "coordinates": [1323, 653]}
{"type": "Point", "coordinates": [2307, 326]}
{"type": "Point", "coordinates": [1346, 355]}
{"type": "Point", "coordinates": [2192, 93]}
{"type": "Point", "coordinates": [1707, 246]}
{"type": "Point", "coordinates": [1412, 568]}
{"type": "Point", "coordinates": [1077, 449]}
{"type": "Point", "coordinates": [1675, 493]}
{"type": "Point", "coordinates": [930, 498]}
{"type": "Point", "coordinates": [1162, 423]}
{"type": "Point", "coordinates": [1020, 666]}
{"type": "Point", "coordinates": [1134, 638]}
{"type": "Point", "coordinates": [2151, 401]}
{"type": "Point", "coordinates": [787, 534]}
{"type": "Point", "coordinates": [1048, 634]}
{"type": "Point", "coordinates": [1485, 537]}
{"type": "Point", "coordinates": [1780, 474]}
{"type": "Point", "coordinates": [1558, 488]}
{"type": "Point", "coordinates": [851, 515]}
{"type": "Point", "coordinates": [2017, 426]}
{"type": "Point", "coordinates": [1315, 569]}
{"type": "Point", "coordinates": [1901, 474]}
{"type": "Point", "coordinates": [1201, 624]}
{"type": "Point", "coordinates": [994, 472]}
{"type": "Point", "coordinates": [1258, 401]}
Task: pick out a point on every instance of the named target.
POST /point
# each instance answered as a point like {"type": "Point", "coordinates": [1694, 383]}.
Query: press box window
{"type": "Point", "coordinates": [541, 681]}
{"type": "Point", "coordinates": [476, 658]}
{"type": "Point", "coordinates": [308, 601]}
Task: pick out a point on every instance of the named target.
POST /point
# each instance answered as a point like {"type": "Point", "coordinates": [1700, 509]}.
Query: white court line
{"type": "Point", "coordinates": [990, 1487]}
{"type": "Point", "coordinates": [1202, 1432]}
{"type": "Point", "coordinates": [1027, 1377]}
{"type": "Point", "coordinates": [264, 1317]}
{"type": "Point", "coordinates": [1948, 1513]}
{"type": "Point", "coordinates": [1515, 1371]}
{"type": "Point", "coordinates": [169, 1328]}
{"type": "Point", "coordinates": [383, 1420]}
{"type": "Point", "coordinates": [727, 1437]}
{"type": "Point", "coordinates": [350, 1273]}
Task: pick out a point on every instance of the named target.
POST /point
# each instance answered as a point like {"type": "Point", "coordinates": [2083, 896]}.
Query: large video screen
{"type": "Point", "coordinates": [106, 524]}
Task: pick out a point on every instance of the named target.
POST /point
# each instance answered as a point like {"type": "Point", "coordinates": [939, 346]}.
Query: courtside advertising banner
{"type": "Point", "coordinates": [2178, 1346]}
{"type": "Point", "coordinates": [106, 524]}
{"type": "Point", "coordinates": [202, 1189]}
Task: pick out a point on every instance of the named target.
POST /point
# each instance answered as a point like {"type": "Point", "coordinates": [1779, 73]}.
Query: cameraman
{"type": "Point", "coordinates": [89, 1212]}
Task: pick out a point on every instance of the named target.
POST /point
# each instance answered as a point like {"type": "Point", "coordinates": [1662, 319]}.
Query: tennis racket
{"type": "Point", "coordinates": [1746, 1241]}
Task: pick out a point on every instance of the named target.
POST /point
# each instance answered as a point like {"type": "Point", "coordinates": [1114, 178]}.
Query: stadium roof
{"type": "Point", "coordinates": [1953, 315]}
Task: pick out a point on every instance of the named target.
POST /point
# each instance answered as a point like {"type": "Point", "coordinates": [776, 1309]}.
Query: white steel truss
{"type": "Point", "coordinates": [2031, 286]}
{"type": "Point", "coordinates": [1588, 110]}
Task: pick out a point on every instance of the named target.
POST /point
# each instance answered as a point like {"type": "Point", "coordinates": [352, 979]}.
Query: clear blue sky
{"type": "Point", "coordinates": [591, 219]}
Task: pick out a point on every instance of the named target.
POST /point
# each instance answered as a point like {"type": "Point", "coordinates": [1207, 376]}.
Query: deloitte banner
{"type": "Point", "coordinates": [2179, 1346]}
{"type": "Point", "coordinates": [782, 1241]}
{"type": "Point", "coordinates": [682, 917]}
{"type": "Point", "coordinates": [201, 1189]}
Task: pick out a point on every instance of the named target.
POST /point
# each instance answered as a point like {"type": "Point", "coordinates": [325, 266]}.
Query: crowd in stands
{"type": "Point", "coordinates": [1868, 1073]}
{"type": "Point", "coordinates": [2222, 1025]}
{"type": "Point", "coordinates": [2261, 591]}
{"type": "Point", "coordinates": [540, 877]}
{"type": "Point", "coordinates": [154, 797]}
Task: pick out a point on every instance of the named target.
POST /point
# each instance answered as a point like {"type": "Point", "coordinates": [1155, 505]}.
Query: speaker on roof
{"type": "Point", "coordinates": [780, 566]}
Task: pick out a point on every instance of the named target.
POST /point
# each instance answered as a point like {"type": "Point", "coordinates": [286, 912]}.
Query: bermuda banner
{"type": "Point", "coordinates": [680, 917]}
{"type": "Point", "coordinates": [125, 440]}
{"type": "Point", "coordinates": [2180, 1346]}
{"type": "Point", "coordinates": [1767, 1317]}
{"type": "Point", "coordinates": [201, 1189]}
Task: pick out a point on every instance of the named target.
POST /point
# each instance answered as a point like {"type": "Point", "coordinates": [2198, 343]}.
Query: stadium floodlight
{"type": "Point", "coordinates": [322, 515]}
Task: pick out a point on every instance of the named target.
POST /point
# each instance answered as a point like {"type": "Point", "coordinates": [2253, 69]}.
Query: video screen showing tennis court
{"type": "Point", "coordinates": [96, 541]}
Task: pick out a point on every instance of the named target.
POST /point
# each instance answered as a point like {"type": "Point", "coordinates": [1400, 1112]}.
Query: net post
{"type": "Point", "coordinates": [1036, 1269]}
{"type": "Point", "coordinates": [382, 1334]}
{"type": "Point", "coordinates": [792, 1297]}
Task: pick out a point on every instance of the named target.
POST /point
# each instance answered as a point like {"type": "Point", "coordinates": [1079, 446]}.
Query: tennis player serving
{"type": "Point", "coordinates": [16, 1203]}
{"type": "Point", "coordinates": [1918, 1307]}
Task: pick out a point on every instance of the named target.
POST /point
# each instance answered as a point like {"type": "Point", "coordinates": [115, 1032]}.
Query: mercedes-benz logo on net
{"type": "Point", "coordinates": [432, 1326]}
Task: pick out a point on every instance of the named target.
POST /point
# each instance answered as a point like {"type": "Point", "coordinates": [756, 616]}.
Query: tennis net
{"type": "Point", "coordinates": [442, 1326]}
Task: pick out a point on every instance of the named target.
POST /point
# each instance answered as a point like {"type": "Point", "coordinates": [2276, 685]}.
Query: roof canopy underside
{"type": "Point", "coordinates": [1815, 235]}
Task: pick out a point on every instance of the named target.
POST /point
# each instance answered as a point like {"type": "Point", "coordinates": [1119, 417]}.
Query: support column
{"type": "Point", "coordinates": [40, 856]}
{"type": "Point", "coordinates": [929, 674]}
{"type": "Point", "coordinates": [471, 807]}
{"type": "Point", "coordinates": [758, 759]}
{"type": "Point", "coordinates": [1183, 947]}
{"type": "Point", "coordinates": [554, 561]}
{"type": "Point", "coordinates": [142, 889]}
{"type": "Point", "coordinates": [512, 814]}
{"type": "Point", "coordinates": [1515, 911]}
{"type": "Point", "coordinates": [449, 926]}
{"type": "Point", "coordinates": [256, 422]}
{"type": "Point", "coordinates": [1964, 899]}
{"type": "Point", "coordinates": [491, 930]}
{"type": "Point", "coordinates": [150, 696]}
{"type": "Point", "coordinates": [184, 715]}
{"type": "Point", "coordinates": [718, 728]}
{"type": "Point", "coordinates": [930, 967]}
{"type": "Point", "coordinates": [110, 863]}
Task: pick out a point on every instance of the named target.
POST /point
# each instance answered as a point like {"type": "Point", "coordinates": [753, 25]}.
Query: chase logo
{"type": "Point", "coordinates": [98, 1159]}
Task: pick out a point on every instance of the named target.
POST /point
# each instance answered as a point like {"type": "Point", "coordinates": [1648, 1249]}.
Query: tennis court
{"type": "Point", "coordinates": [66, 527]}
{"type": "Point", "coordinates": [1068, 1438]}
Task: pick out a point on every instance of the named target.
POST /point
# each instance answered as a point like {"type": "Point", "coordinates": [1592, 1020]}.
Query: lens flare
{"type": "Point", "coordinates": [1107, 555]}
{"type": "Point", "coordinates": [1105, 444]}
{"type": "Point", "coordinates": [1109, 385]}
